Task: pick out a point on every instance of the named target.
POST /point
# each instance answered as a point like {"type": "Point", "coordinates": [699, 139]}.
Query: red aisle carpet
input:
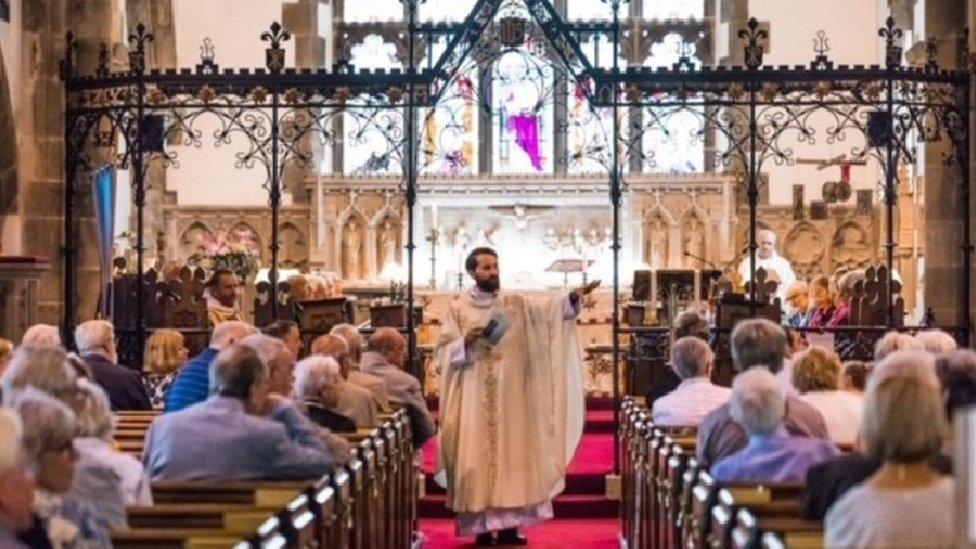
{"type": "Point", "coordinates": [583, 515]}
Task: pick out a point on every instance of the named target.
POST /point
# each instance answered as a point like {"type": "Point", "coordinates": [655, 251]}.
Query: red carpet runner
{"type": "Point", "coordinates": [584, 516]}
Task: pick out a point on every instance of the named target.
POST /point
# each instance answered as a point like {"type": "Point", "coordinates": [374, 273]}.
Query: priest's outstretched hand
{"type": "Point", "coordinates": [584, 290]}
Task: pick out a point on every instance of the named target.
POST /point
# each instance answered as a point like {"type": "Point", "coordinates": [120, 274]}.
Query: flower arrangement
{"type": "Point", "coordinates": [235, 250]}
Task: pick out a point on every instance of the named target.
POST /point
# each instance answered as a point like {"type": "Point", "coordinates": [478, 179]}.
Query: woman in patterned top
{"type": "Point", "coordinates": [164, 355]}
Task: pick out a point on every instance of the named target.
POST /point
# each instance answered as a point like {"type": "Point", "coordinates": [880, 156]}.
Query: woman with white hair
{"type": "Point", "coordinates": [317, 388]}
{"type": "Point", "coordinates": [46, 369]}
{"type": "Point", "coordinates": [97, 456]}
{"type": "Point", "coordinates": [903, 429]}
{"type": "Point", "coordinates": [936, 341]}
{"type": "Point", "coordinates": [895, 341]}
{"type": "Point", "coordinates": [64, 521]}
{"type": "Point", "coordinates": [41, 335]}
{"type": "Point", "coordinates": [772, 455]}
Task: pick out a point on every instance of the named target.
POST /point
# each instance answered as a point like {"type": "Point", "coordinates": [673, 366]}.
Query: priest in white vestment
{"type": "Point", "coordinates": [777, 268]}
{"type": "Point", "coordinates": [511, 403]}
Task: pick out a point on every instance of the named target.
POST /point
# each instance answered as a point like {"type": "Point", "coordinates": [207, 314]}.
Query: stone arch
{"type": "Point", "coordinates": [9, 188]}
{"type": "Point", "coordinates": [850, 246]}
{"type": "Point", "coordinates": [658, 223]}
{"type": "Point", "coordinates": [350, 244]}
{"type": "Point", "coordinates": [804, 246]}
{"type": "Point", "coordinates": [694, 238]}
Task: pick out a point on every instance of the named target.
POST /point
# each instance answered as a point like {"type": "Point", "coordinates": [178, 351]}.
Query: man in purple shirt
{"type": "Point", "coordinates": [772, 454]}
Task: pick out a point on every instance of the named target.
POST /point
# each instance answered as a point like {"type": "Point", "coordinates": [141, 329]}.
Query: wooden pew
{"type": "Point", "coordinates": [795, 532]}
{"type": "Point", "coordinates": [782, 501]}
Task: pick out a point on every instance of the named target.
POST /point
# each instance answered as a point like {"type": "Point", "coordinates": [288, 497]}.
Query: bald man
{"type": "Point", "coordinates": [192, 382]}
{"type": "Point", "coordinates": [337, 346]}
{"type": "Point", "coordinates": [386, 358]}
{"type": "Point", "coordinates": [777, 268]}
{"type": "Point", "coordinates": [355, 402]}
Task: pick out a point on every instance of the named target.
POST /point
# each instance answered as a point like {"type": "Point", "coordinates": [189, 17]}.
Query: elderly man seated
{"type": "Point", "coordinates": [317, 382]}
{"type": "Point", "coordinates": [696, 396]}
{"type": "Point", "coordinates": [16, 483]}
{"type": "Point", "coordinates": [386, 359]}
{"type": "Point", "coordinates": [95, 340]}
{"type": "Point", "coordinates": [773, 455]}
{"type": "Point", "coordinates": [191, 384]}
{"type": "Point", "coordinates": [338, 346]}
{"type": "Point", "coordinates": [355, 401]}
{"type": "Point", "coordinates": [756, 343]}
{"type": "Point", "coordinates": [228, 435]}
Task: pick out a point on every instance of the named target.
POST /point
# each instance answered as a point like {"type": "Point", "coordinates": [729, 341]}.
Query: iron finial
{"type": "Point", "coordinates": [753, 49]}
{"type": "Point", "coordinates": [67, 65]}
{"type": "Point", "coordinates": [275, 54]}
{"type": "Point", "coordinates": [137, 56]}
{"type": "Point", "coordinates": [893, 49]}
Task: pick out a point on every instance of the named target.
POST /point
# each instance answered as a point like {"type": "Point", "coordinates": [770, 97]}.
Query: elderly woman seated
{"type": "Point", "coordinates": [816, 374]}
{"type": "Point", "coordinates": [62, 520]}
{"type": "Point", "coordinates": [46, 369]}
{"type": "Point", "coordinates": [317, 388]}
{"type": "Point", "coordinates": [772, 455]}
{"type": "Point", "coordinates": [696, 396]}
{"type": "Point", "coordinates": [107, 478]}
{"type": "Point", "coordinates": [936, 341]}
{"type": "Point", "coordinates": [16, 483]}
{"type": "Point", "coordinates": [823, 302]}
{"type": "Point", "coordinates": [903, 429]}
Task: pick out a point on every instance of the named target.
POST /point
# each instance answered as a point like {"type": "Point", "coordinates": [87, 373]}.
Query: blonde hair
{"type": "Point", "coordinates": [6, 352]}
{"type": "Point", "coordinates": [895, 341]}
{"type": "Point", "coordinates": [816, 369]}
{"type": "Point", "coordinates": [163, 352]}
{"type": "Point", "coordinates": [11, 440]}
{"type": "Point", "coordinates": [904, 420]}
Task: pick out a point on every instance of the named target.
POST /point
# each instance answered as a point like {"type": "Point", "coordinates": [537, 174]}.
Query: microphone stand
{"type": "Point", "coordinates": [701, 259]}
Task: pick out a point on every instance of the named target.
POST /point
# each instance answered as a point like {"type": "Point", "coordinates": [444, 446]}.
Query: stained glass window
{"type": "Point", "coordinates": [672, 142]}
{"type": "Point", "coordinates": [588, 139]}
{"type": "Point", "coordinates": [449, 135]}
{"type": "Point", "coordinates": [370, 134]}
{"type": "Point", "coordinates": [522, 113]}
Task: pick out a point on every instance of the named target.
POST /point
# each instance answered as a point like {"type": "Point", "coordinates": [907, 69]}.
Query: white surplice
{"type": "Point", "coordinates": [512, 414]}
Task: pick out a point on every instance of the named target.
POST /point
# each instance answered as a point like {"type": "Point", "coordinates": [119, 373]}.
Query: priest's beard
{"type": "Point", "coordinates": [488, 285]}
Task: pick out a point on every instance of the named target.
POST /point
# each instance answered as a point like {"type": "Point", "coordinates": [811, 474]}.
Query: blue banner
{"type": "Point", "coordinates": [103, 194]}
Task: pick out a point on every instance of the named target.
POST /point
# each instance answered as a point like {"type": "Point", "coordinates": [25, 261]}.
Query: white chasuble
{"type": "Point", "coordinates": [511, 414]}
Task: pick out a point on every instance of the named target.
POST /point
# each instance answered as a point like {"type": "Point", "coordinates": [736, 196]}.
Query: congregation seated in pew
{"type": "Point", "coordinates": [692, 360]}
{"type": "Point", "coordinates": [95, 340]}
{"type": "Point", "coordinates": [386, 359]}
{"type": "Point", "coordinates": [108, 479]}
{"type": "Point", "coordinates": [772, 455]}
{"type": "Point", "coordinates": [816, 375]}
{"type": "Point", "coordinates": [164, 356]}
{"type": "Point", "coordinates": [317, 380]}
{"type": "Point", "coordinates": [356, 402]}
{"type": "Point", "coordinates": [228, 436]}
{"type": "Point", "coordinates": [756, 343]}
{"type": "Point", "coordinates": [191, 384]}
{"type": "Point", "coordinates": [61, 517]}
{"type": "Point", "coordinates": [903, 429]}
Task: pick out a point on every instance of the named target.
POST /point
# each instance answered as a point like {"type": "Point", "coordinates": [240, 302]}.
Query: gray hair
{"type": "Point", "coordinates": [895, 341]}
{"type": "Point", "coordinates": [353, 338]}
{"type": "Point", "coordinates": [758, 342]}
{"type": "Point", "coordinates": [269, 349]}
{"type": "Point", "coordinates": [11, 440]}
{"type": "Point", "coordinates": [690, 323]}
{"type": "Point", "coordinates": [914, 363]}
{"type": "Point", "coordinates": [936, 341]}
{"type": "Point", "coordinates": [41, 335]}
{"type": "Point", "coordinates": [49, 425]}
{"type": "Point", "coordinates": [92, 411]}
{"type": "Point", "coordinates": [94, 335]}
{"type": "Point", "coordinates": [235, 371]}
{"type": "Point", "coordinates": [44, 368]}
{"type": "Point", "coordinates": [314, 374]}
{"type": "Point", "coordinates": [691, 357]}
{"type": "Point", "coordinates": [384, 339]}
{"type": "Point", "coordinates": [226, 334]}
{"type": "Point", "coordinates": [757, 401]}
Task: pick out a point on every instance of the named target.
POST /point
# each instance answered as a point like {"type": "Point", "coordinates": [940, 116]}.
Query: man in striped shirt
{"type": "Point", "coordinates": [192, 383]}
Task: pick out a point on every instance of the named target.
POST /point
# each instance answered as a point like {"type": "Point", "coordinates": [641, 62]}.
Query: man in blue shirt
{"type": "Point", "coordinates": [192, 383]}
{"type": "Point", "coordinates": [772, 454]}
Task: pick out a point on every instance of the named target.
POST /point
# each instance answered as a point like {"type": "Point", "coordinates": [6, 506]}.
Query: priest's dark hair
{"type": "Point", "coordinates": [215, 277]}
{"type": "Point", "coordinates": [471, 263]}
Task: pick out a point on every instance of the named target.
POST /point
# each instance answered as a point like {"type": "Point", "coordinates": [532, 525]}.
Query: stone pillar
{"type": "Point", "coordinates": [944, 20]}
